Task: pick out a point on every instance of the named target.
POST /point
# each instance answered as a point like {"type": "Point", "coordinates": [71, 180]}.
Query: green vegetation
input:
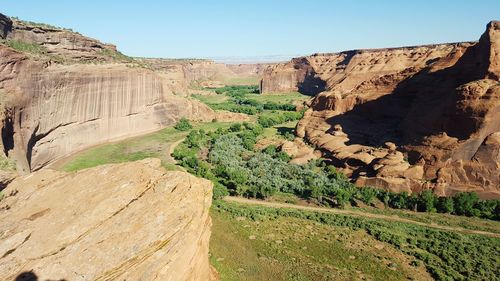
{"type": "Point", "coordinates": [287, 248]}
{"type": "Point", "coordinates": [444, 219]}
{"type": "Point", "coordinates": [446, 255]}
{"type": "Point", "coordinates": [26, 47]}
{"type": "Point", "coordinates": [229, 159]}
{"type": "Point", "coordinates": [273, 118]}
{"type": "Point", "coordinates": [115, 55]}
{"type": "Point", "coordinates": [156, 144]}
{"type": "Point", "coordinates": [183, 125]}
{"type": "Point", "coordinates": [42, 25]}
{"type": "Point", "coordinates": [247, 100]}
{"type": "Point", "coordinates": [7, 164]}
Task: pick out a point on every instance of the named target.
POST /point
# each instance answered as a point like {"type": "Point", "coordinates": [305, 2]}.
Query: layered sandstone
{"type": "Point", "coordinates": [408, 118]}
{"type": "Point", "coordinates": [59, 109]}
{"type": "Point", "coordinates": [64, 44]}
{"type": "Point", "coordinates": [205, 73]}
{"type": "Point", "coordinates": [131, 221]}
{"type": "Point", "coordinates": [52, 109]}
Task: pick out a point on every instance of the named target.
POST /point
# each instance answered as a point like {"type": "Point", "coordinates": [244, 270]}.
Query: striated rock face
{"type": "Point", "coordinates": [377, 70]}
{"type": "Point", "coordinates": [60, 109]}
{"type": "Point", "coordinates": [53, 109]}
{"type": "Point", "coordinates": [131, 221]}
{"type": "Point", "coordinates": [205, 73]}
{"type": "Point", "coordinates": [405, 119]}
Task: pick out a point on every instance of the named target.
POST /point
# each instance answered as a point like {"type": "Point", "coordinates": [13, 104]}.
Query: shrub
{"type": "Point", "coordinates": [367, 194]}
{"type": "Point", "coordinates": [427, 201]}
{"type": "Point", "coordinates": [236, 127]}
{"type": "Point", "coordinates": [445, 205]}
{"type": "Point", "coordinates": [220, 191]}
{"type": "Point", "coordinates": [464, 203]}
{"type": "Point", "coordinates": [183, 125]}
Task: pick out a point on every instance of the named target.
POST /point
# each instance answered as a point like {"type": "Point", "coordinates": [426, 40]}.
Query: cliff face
{"type": "Point", "coordinates": [351, 70]}
{"type": "Point", "coordinates": [53, 109]}
{"type": "Point", "coordinates": [60, 109]}
{"type": "Point", "coordinates": [205, 72]}
{"type": "Point", "coordinates": [405, 119]}
{"type": "Point", "coordinates": [131, 221]}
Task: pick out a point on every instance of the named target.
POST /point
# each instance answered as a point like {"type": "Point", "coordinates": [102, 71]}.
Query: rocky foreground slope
{"type": "Point", "coordinates": [405, 119]}
{"type": "Point", "coordinates": [131, 221]}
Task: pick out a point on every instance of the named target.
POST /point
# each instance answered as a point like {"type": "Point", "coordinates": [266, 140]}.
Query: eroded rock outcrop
{"type": "Point", "coordinates": [64, 44]}
{"type": "Point", "coordinates": [131, 221]}
{"type": "Point", "coordinates": [408, 118]}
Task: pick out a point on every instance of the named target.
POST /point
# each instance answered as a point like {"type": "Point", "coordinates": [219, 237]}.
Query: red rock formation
{"type": "Point", "coordinates": [438, 106]}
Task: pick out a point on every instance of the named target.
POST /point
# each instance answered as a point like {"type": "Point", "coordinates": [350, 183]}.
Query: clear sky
{"type": "Point", "coordinates": [222, 28]}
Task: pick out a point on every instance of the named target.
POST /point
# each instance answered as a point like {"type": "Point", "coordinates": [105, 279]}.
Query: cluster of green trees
{"type": "Point", "coordinates": [276, 117]}
{"type": "Point", "coordinates": [237, 168]}
{"type": "Point", "coordinates": [462, 204]}
{"type": "Point", "coordinates": [240, 103]}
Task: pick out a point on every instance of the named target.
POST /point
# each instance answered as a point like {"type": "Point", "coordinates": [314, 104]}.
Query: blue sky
{"type": "Point", "coordinates": [212, 28]}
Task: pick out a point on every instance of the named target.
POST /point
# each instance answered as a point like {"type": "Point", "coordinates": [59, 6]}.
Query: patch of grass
{"type": "Point", "coordinates": [472, 223]}
{"type": "Point", "coordinates": [151, 145]}
{"type": "Point", "coordinates": [287, 248]}
{"type": "Point", "coordinates": [446, 255]}
{"type": "Point", "coordinates": [115, 55]}
{"type": "Point", "coordinates": [278, 131]}
{"type": "Point", "coordinates": [26, 47]}
{"type": "Point", "coordinates": [211, 99]}
{"type": "Point", "coordinates": [7, 164]}
{"type": "Point", "coordinates": [281, 98]}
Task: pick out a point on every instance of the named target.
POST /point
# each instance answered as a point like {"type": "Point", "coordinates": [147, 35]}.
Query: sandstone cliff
{"type": "Point", "coordinates": [199, 72]}
{"type": "Point", "coordinates": [63, 43]}
{"type": "Point", "coordinates": [58, 109]}
{"type": "Point", "coordinates": [131, 221]}
{"type": "Point", "coordinates": [405, 119]}
{"type": "Point", "coordinates": [52, 108]}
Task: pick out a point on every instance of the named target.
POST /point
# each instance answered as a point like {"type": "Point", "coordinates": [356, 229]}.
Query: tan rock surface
{"type": "Point", "coordinates": [438, 106]}
{"type": "Point", "coordinates": [132, 221]}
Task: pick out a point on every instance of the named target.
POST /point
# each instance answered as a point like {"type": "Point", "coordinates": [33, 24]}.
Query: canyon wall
{"type": "Point", "coordinates": [131, 221]}
{"type": "Point", "coordinates": [58, 109]}
{"type": "Point", "coordinates": [55, 107]}
{"type": "Point", "coordinates": [405, 119]}
{"type": "Point", "coordinates": [206, 73]}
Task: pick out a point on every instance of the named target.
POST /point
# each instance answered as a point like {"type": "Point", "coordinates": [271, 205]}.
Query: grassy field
{"type": "Point", "coordinates": [472, 223]}
{"type": "Point", "coordinates": [211, 99]}
{"type": "Point", "coordinates": [274, 238]}
{"type": "Point", "coordinates": [151, 145]}
{"type": "Point", "coordinates": [282, 98]}
{"type": "Point", "coordinates": [287, 248]}
{"type": "Point", "coordinates": [276, 131]}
